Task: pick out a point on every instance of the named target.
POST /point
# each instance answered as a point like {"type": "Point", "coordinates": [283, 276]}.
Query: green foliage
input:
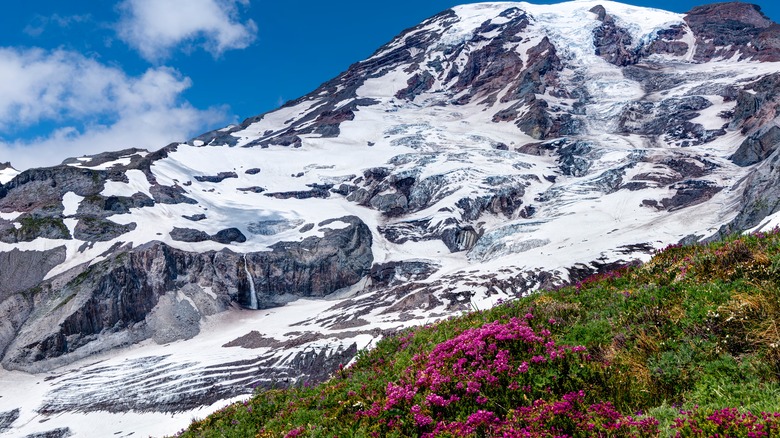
{"type": "Point", "coordinates": [34, 226]}
{"type": "Point", "coordinates": [690, 339]}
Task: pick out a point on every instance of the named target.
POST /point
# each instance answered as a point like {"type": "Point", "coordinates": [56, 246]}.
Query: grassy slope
{"type": "Point", "coordinates": [668, 345]}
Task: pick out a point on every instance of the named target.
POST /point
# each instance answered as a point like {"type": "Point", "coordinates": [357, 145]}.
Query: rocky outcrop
{"type": "Point", "coordinates": [723, 30]}
{"type": "Point", "coordinates": [667, 42]}
{"type": "Point", "coordinates": [572, 158]}
{"type": "Point", "coordinates": [39, 192]}
{"type": "Point", "coordinates": [612, 42]}
{"type": "Point", "coordinates": [229, 235]}
{"type": "Point", "coordinates": [221, 176]}
{"type": "Point", "coordinates": [125, 158]}
{"type": "Point", "coordinates": [7, 419]}
{"type": "Point", "coordinates": [133, 295]}
{"type": "Point", "coordinates": [93, 229]}
{"type": "Point", "coordinates": [671, 119]}
{"type": "Point", "coordinates": [189, 235]}
{"type": "Point", "coordinates": [758, 146]}
{"type": "Point", "coordinates": [760, 197]}
{"type": "Point", "coordinates": [416, 85]}
{"type": "Point", "coordinates": [313, 267]}
{"type": "Point", "coordinates": [195, 217]}
{"type": "Point", "coordinates": [170, 195]}
{"type": "Point", "coordinates": [22, 270]}
{"type": "Point", "coordinates": [317, 191]}
{"type": "Point", "coordinates": [687, 193]}
{"type": "Point", "coordinates": [104, 206]}
{"type": "Point", "coordinates": [29, 227]}
{"type": "Point", "coordinates": [396, 273]}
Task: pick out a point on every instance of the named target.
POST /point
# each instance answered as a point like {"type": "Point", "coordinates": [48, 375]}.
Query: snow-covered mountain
{"type": "Point", "coordinates": [494, 149]}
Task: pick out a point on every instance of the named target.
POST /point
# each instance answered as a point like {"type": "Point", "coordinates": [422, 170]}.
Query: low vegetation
{"type": "Point", "coordinates": [685, 345]}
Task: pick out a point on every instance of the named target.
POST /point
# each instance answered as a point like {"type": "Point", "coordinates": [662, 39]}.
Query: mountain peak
{"type": "Point", "coordinates": [7, 172]}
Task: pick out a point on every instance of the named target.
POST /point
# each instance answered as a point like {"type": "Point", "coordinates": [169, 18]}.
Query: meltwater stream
{"type": "Point", "coordinates": [252, 293]}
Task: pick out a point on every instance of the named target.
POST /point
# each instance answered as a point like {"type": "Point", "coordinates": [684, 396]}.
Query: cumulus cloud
{"type": "Point", "coordinates": [155, 27]}
{"type": "Point", "coordinates": [95, 106]}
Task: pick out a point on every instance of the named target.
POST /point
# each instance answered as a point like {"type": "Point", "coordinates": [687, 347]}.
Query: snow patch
{"type": "Point", "coordinates": [71, 203]}
{"type": "Point", "coordinates": [137, 183]}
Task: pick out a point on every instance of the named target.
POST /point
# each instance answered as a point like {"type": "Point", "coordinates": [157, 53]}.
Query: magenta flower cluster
{"type": "Point", "coordinates": [728, 422]}
{"type": "Point", "coordinates": [501, 379]}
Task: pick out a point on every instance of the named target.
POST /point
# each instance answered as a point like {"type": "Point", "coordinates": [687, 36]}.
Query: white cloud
{"type": "Point", "coordinates": [95, 107]}
{"type": "Point", "coordinates": [155, 27]}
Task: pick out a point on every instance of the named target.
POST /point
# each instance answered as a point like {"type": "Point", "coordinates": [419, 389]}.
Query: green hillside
{"type": "Point", "coordinates": [687, 344]}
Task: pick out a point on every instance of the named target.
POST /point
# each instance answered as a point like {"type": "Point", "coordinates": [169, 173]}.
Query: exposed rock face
{"type": "Point", "coordinates": [312, 267]}
{"type": "Point", "coordinates": [758, 146]}
{"type": "Point", "coordinates": [104, 206]}
{"type": "Point", "coordinates": [189, 235]}
{"type": "Point", "coordinates": [7, 419]}
{"type": "Point", "coordinates": [32, 227]}
{"type": "Point", "coordinates": [22, 270]}
{"type": "Point", "coordinates": [171, 195]}
{"type": "Point", "coordinates": [100, 230]}
{"type": "Point", "coordinates": [221, 176]}
{"type": "Point", "coordinates": [612, 42]}
{"type": "Point", "coordinates": [128, 297]}
{"type": "Point", "coordinates": [62, 432]}
{"type": "Point", "coordinates": [229, 235]}
{"type": "Point", "coordinates": [726, 29]}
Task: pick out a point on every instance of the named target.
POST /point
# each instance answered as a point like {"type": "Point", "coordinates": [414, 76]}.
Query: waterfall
{"type": "Point", "coordinates": [252, 292]}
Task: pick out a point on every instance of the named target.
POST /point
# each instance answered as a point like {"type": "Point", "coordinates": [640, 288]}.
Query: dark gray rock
{"type": "Point", "coordinates": [221, 176]}
{"type": "Point", "coordinates": [253, 189]}
{"type": "Point", "coordinates": [391, 204]}
{"type": "Point", "coordinates": [395, 273]}
{"type": "Point", "coordinates": [173, 319]}
{"type": "Point", "coordinates": [612, 42]}
{"type": "Point", "coordinates": [22, 270]}
{"type": "Point", "coordinates": [170, 195]}
{"type": "Point", "coordinates": [34, 226]}
{"type": "Point", "coordinates": [62, 432]}
{"type": "Point", "coordinates": [95, 229]}
{"type": "Point", "coordinates": [189, 235]}
{"type": "Point", "coordinates": [306, 228]}
{"type": "Point", "coordinates": [315, 266]}
{"type": "Point", "coordinates": [756, 104]}
{"type": "Point", "coordinates": [667, 42]}
{"type": "Point", "coordinates": [760, 197]}
{"type": "Point", "coordinates": [7, 419]}
{"type": "Point", "coordinates": [317, 191]}
{"type": "Point", "coordinates": [195, 217]}
{"type": "Point", "coordinates": [106, 157]}
{"type": "Point", "coordinates": [459, 239]}
{"type": "Point", "coordinates": [757, 147]}
{"type": "Point", "coordinates": [253, 171]}
{"type": "Point", "coordinates": [669, 119]}
{"type": "Point", "coordinates": [229, 235]}
{"type": "Point", "coordinates": [573, 159]}
{"type": "Point", "coordinates": [38, 194]}
{"type": "Point", "coordinates": [416, 85]}
{"type": "Point", "coordinates": [723, 29]}
{"type": "Point", "coordinates": [104, 206]}
{"type": "Point", "coordinates": [687, 194]}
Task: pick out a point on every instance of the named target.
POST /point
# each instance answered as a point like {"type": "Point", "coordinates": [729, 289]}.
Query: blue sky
{"type": "Point", "coordinates": [83, 76]}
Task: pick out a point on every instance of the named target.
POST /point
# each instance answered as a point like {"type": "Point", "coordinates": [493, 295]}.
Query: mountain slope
{"type": "Point", "coordinates": [685, 343]}
{"type": "Point", "coordinates": [494, 149]}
